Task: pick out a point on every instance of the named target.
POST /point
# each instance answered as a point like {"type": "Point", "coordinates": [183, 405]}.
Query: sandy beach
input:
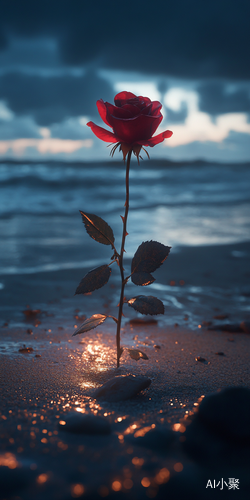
{"type": "Point", "coordinates": [47, 374]}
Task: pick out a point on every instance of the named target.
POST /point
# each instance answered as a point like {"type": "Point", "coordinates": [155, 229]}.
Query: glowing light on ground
{"type": "Point", "coordinates": [98, 356]}
{"type": "Point", "coordinates": [8, 460]}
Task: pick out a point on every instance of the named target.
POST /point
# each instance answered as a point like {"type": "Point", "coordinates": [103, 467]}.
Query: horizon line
{"type": "Point", "coordinates": [114, 162]}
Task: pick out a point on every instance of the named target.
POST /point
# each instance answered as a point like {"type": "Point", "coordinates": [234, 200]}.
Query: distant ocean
{"type": "Point", "coordinates": [177, 204]}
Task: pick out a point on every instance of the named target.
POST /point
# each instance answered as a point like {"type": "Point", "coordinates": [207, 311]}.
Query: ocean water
{"type": "Point", "coordinates": [176, 204]}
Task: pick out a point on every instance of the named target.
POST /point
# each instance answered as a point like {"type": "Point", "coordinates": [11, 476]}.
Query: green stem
{"type": "Point", "coordinates": [123, 282]}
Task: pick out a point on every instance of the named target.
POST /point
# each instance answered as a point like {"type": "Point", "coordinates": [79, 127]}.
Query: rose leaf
{"type": "Point", "coordinates": [149, 256]}
{"type": "Point", "coordinates": [90, 323]}
{"type": "Point", "coordinates": [98, 229]}
{"type": "Point", "coordinates": [136, 354]}
{"type": "Point", "coordinates": [94, 279]}
{"type": "Point", "coordinates": [146, 304]}
{"type": "Point", "coordinates": [142, 279]}
{"type": "Point", "coordinates": [121, 352]}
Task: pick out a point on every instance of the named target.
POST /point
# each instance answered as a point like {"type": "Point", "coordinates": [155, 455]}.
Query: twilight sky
{"type": "Point", "coordinates": [58, 58]}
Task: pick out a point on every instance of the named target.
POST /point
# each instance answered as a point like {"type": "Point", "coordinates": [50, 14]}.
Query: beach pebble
{"type": "Point", "coordinates": [206, 323]}
{"type": "Point", "coordinates": [245, 326]}
{"type": "Point", "coordinates": [156, 439]}
{"type": "Point", "coordinates": [227, 327]}
{"type": "Point", "coordinates": [142, 321]}
{"type": "Point", "coordinates": [201, 359]}
{"type": "Point", "coordinates": [228, 413]}
{"type": "Point", "coordinates": [122, 388]}
{"type": "Point", "coordinates": [220, 431]}
{"type": "Point", "coordinates": [25, 350]}
{"type": "Point", "coordinates": [13, 481]}
{"type": "Point", "coordinates": [78, 423]}
{"type": "Point", "coordinates": [220, 316]}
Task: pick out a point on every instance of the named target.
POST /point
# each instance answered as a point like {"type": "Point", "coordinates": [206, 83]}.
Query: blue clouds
{"type": "Point", "coordinates": [217, 98]}
{"type": "Point", "coordinates": [53, 55]}
{"type": "Point", "coordinates": [52, 99]}
{"type": "Point", "coordinates": [185, 39]}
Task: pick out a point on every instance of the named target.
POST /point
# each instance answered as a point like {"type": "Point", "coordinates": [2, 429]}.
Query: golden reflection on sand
{"type": "Point", "coordinates": [8, 460]}
{"type": "Point", "coordinates": [98, 356]}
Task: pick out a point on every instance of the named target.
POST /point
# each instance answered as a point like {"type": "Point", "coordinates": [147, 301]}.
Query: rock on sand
{"type": "Point", "coordinates": [121, 388]}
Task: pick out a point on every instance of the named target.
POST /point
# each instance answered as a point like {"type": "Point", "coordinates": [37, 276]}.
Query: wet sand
{"type": "Point", "coordinates": [58, 373]}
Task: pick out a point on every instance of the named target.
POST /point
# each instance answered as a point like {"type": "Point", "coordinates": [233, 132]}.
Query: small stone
{"type": "Point", "coordinates": [142, 322]}
{"type": "Point", "coordinates": [202, 360]}
{"type": "Point", "coordinates": [14, 481]}
{"type": "Point", "coordinates": [158, 439]}
{"type": "Point", "coordinates": [29, 331]}
{"type": "Point", "coordinates": [219, 432]}
{"type": "Point", "coordinates": [136, 354]}
{"type": "Point", "coordinates": [228, 413]}
{"type": "Point", "coordinates": [78, 423]}
{"type": "Point", "coordinates": [31, 313]}
{"type": "Point", "coordinates": [38, 356]}
{"type": "Point", "coordinates": [25, 350]}
{"type": "Point", "coordinates": [220, 316]}
{"type": "Point", "coordinates": [122, 388]}
{"type": "Point", "coordinates": [220, 353]}
{"type": "Point", "coordinates": [206, 323]}
{"type": "Point", "coordinates": [227, 327]}
{"type": "Point", "coordinates": [245, 326]}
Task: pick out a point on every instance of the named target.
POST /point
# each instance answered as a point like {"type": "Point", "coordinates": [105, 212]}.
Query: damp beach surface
{"type": "Point", "coordinates": [46, 374]}
{"type": "Point", "coordinates": [163, 442]}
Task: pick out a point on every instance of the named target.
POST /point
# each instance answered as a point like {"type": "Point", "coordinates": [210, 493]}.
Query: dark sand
{"type": "Point", "coordinates": [60, 373]}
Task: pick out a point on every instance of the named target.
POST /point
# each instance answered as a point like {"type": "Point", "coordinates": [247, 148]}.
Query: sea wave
{"type": "Point", "coordinates": [41, 227]}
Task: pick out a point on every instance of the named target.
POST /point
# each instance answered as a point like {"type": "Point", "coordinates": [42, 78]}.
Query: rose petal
{"type": "Point", "coordinates": [156, 107]}
{"type": "Point", "coordinates": [156, 139]}
{"type": "Point", "coordinates": [134, 130]}
{"type": "Point", "coordinates": [102, 133]}
{"type": "Point", "coordinates": [147, 109]}
{"type": "Point", "coordinates": [101, 106]}
{"type": "Point", "coordinates": [124, 112]}
{"type": "Point", "coordinates": [143, 101]}
{"type": "Point", "coordinates": [132, 109]}
{"type": "Point", "coordinates": [123, 97]}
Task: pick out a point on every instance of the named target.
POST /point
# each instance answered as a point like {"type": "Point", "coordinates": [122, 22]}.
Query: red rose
{"type": "Point", "coordinates": [133, 119]}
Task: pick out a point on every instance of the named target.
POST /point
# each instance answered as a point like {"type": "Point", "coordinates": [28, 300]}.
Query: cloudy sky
{"type": "Point", "coordinates": [58, 57]}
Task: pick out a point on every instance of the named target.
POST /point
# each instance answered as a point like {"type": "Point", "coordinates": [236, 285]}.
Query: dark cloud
{"type": "Point", "coordinates": [189, 39]}
{"type": "Point", "coordinates": [53, 99]}
{"type": "Point", "coordinates": [214, 98]}
{"type": "Point", "coordinates": [41, 54]}
{"type": "Point", "coordinates": [69, 129]}
{"type": "Point", "coordinates": [19, 127]}
{"type": "Point", "coordinates": [3, 41]}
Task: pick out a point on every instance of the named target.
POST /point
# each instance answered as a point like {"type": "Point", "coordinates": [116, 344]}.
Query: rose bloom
{"type": "Point", "coordinates": [134, 121]}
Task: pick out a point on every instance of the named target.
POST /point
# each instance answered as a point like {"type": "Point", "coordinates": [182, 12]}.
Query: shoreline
{"type": "Point", "coordinates": [219, 266]}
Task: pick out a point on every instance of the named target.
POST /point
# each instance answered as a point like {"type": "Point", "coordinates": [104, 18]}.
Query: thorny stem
{"type": "Point", "coordinates": [123, 281]}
